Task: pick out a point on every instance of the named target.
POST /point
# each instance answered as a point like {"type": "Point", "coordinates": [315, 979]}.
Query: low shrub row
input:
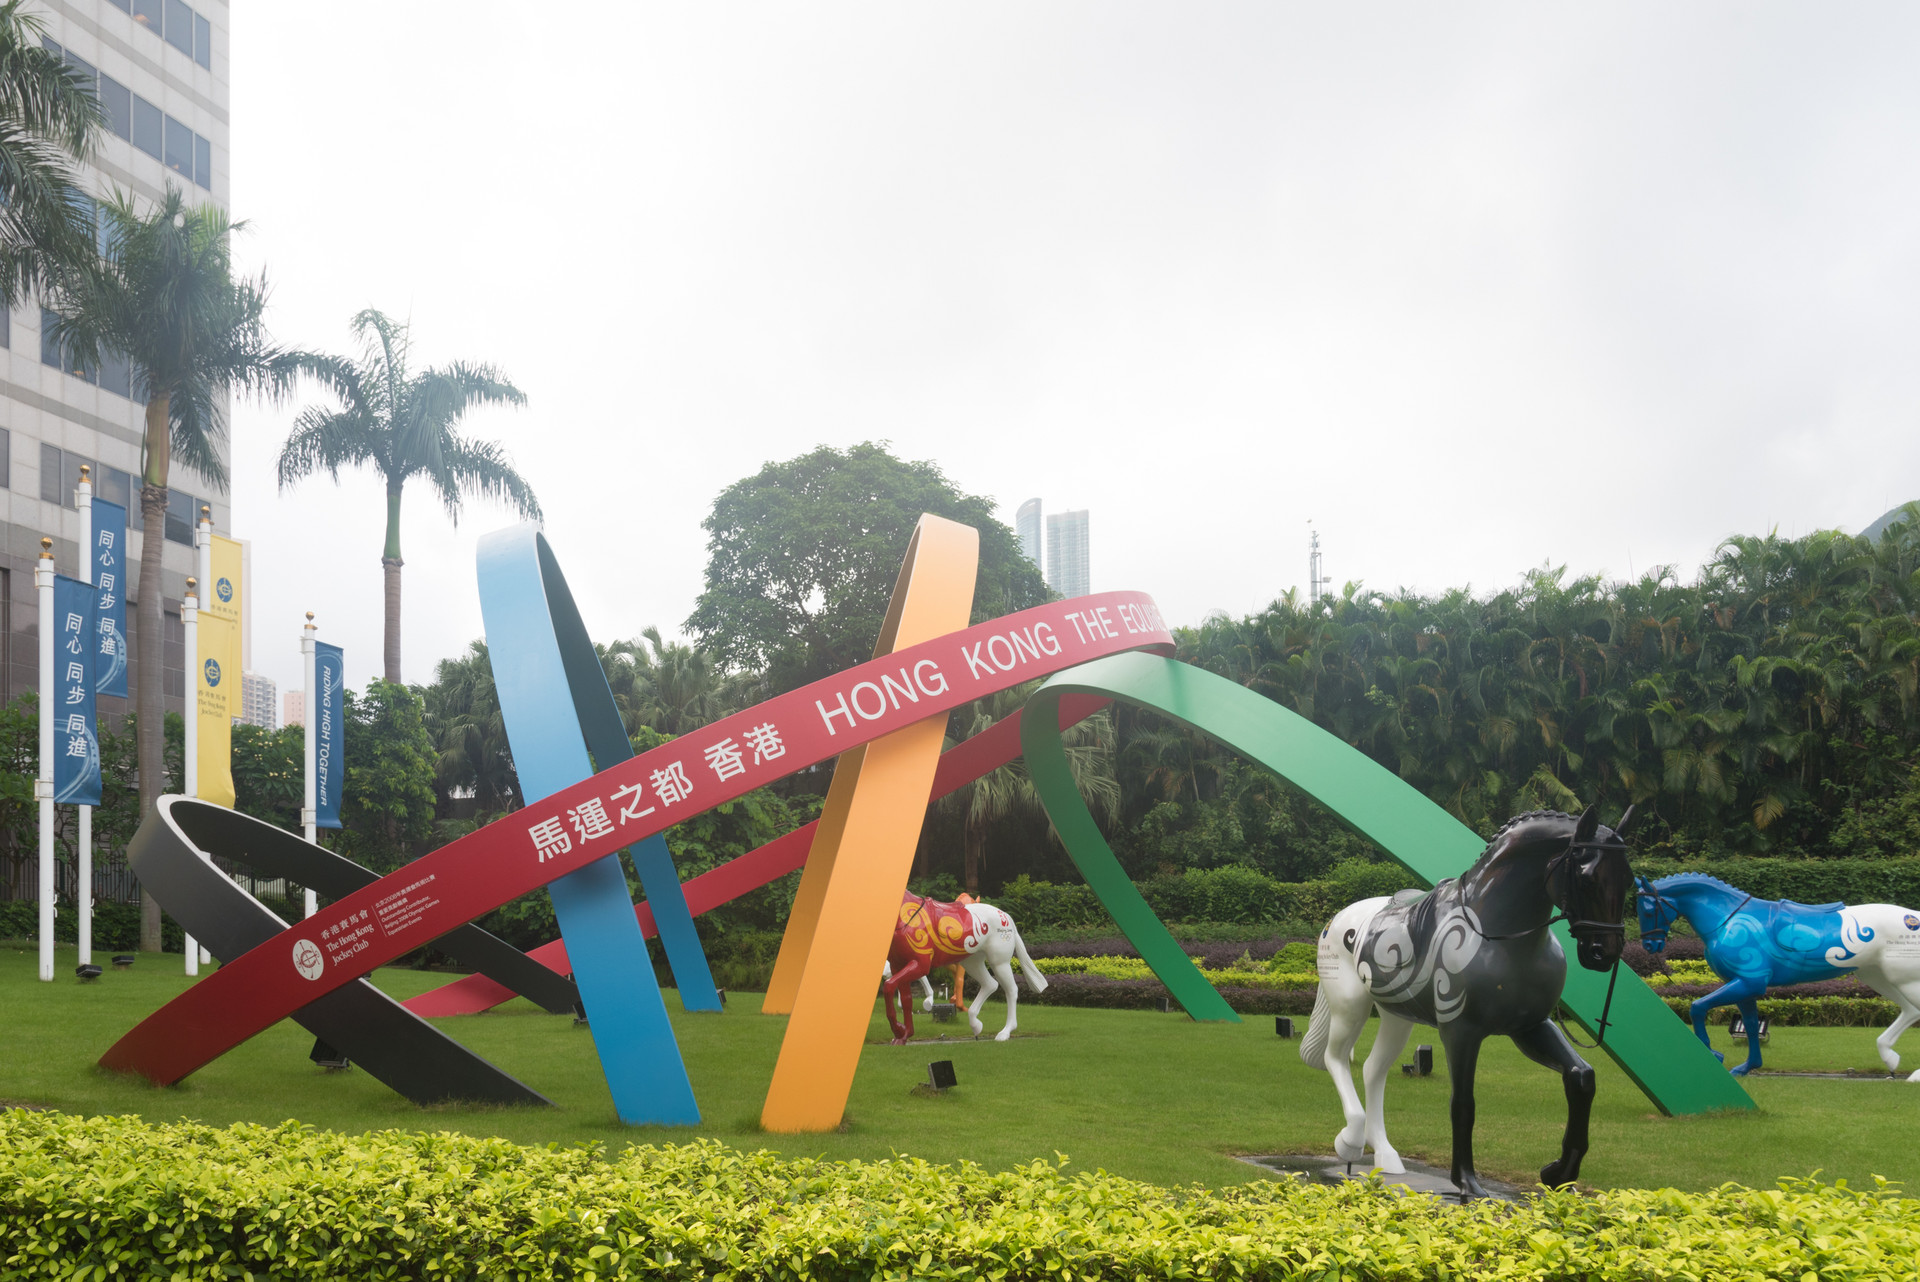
{"type": "Point", "coordinates": [116, 926]}
{"type": "Point", "coordinates": [114, 1197]}
{"type": "Point", "coordinates": [1803, 1012]}
{"type": "Point", "coordinates": [1102, 993]}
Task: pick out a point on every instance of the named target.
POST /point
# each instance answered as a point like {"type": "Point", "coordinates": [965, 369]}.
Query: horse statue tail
{"type": "Point", "coordinates": [1313, 1047]}
{"type": "Point", "coordinates": [1035, 980]}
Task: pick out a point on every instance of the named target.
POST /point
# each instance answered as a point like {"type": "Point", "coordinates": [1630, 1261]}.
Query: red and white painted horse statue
{"type": "Point", "coordinates": [931, 934]}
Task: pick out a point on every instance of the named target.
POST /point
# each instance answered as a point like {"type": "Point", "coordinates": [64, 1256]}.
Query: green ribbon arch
{"type": "Point", "coordinates": [1659, 1052]}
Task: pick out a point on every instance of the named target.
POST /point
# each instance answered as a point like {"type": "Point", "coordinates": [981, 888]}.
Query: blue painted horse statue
{"type": "Point", "coordinates": [1754, 944]}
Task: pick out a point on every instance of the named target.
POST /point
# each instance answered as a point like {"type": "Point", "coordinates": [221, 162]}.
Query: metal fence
{"type": "Point", "coordinates": [113, 880]}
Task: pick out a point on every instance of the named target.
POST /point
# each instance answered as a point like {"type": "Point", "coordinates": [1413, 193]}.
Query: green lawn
{"type": "Point", "coordinates": [1154, 1097]}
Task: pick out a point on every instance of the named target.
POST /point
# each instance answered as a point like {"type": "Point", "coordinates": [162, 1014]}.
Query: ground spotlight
{"type": "Point", "coordinates": [89, 971]}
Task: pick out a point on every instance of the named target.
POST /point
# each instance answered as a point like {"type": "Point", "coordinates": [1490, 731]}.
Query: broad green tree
{"type": "Point", "coordinates": [406, 424]}
{"type": "Point", "coordinates": [49, 117]}
{"type": "Point", "coordinates": [387, 805]}
{"type": "Point", "coordinates": [802, 558]}
{"type": "Point", "coordinates": [163, 292]}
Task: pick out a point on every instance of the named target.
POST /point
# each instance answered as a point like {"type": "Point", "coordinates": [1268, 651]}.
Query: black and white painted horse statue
{"type": "Point", "coordinates": [1474, 958]}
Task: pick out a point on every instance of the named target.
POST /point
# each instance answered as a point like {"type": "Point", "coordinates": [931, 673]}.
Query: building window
{"type": "Point", "coordinates": [116, 374]}
{"type": "Point", "coordinates": [203, 42]}
{"type": "Point", "coordinates": [49, 350]}
{"type": "Point", "coordinates": [6, 459]}
{"type": "Point", "coordinates": [203, 162]}
{"type": "Point", "coordinates": [182, 514]}
{"type": "Point", "coordinates": [146, 126]}
{"type": "Point", "coordinates": [117, 101]}
{"type": "Point", "coordinates": [49, 473]}
{"type": "Point", "coordinates": [116, 486]}
{"type": "Point", "coordinates": [180, 27]}
{"type": "Point", "coordinates": [179, 157]}
{"type": "Point", "coordinates": [88, 73]}
{"type": "Point", "coordinates": [124, 6]}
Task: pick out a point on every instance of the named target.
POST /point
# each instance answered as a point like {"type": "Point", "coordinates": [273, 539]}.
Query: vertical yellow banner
{"type": "Point", "coordinates": [218, 671]}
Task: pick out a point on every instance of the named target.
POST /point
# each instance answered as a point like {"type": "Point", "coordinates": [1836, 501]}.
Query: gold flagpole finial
{"type": "Point", "coordinates": [46, 549]}
{"type": "Point", "coordinates": [191, 582]}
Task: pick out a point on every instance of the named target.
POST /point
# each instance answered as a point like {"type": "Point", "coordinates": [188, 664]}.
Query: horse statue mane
{"type": "Point", "coordinates": [1505, 837]}
{"type": "Point", "coordinates": [1700, 878]}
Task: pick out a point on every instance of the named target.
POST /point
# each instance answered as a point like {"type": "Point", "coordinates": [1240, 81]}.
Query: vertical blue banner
{"type": "Point", "coordinates": [76, 741]}
{"type": "Point", "coordinates": [110, 579]}
{"type": "Point", "coordinates": [329, 729]}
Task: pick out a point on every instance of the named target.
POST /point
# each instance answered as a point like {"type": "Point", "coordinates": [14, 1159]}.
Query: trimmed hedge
{"type": "Point", "coordinates": [113, 1196]}
{"type": "Point", "coordinates": [1803, 1012]}
{"type": "Point", "coordinates": [1233, 895]}
{"type": "Point", "coordinates": [1807, 881]}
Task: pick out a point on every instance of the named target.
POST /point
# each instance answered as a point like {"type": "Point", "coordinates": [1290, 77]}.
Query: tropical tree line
{"type": "Point", "coordinates": [153, 283]}
{"type": "Point", "coordinates": [1770, 703]}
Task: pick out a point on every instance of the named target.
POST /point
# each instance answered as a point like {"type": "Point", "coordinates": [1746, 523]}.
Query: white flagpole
{"type": "Point", "coordinates": [43, 786]}
{"type": "Point", "coordinates": [83, 896]}
{"type": "Point", "coordinates": [190, 623]}
{"type": "Point", "coordinates": [310, 811]}
{"type": "Point", "coordinates": [203, 547]}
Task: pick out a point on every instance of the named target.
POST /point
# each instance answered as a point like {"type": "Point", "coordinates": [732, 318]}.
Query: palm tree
{"type": "Point", "coordinates": [405, 425]}
{"type": "Point", "coordinates": [48, 117]}
{"type": "Point", "coordinates": [669, 686]}
{"type": "Point", "coordinates": [1009, 791]}
{"type": "Point", "coordinates": [463, 715]}
{"type": "Point", "coordinates": [162, 291]}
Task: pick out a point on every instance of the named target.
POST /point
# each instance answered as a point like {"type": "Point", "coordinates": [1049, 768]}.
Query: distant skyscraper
{"type": "Point", "coordinates": [293, 708]}
{"type": "Point", "coordinates": [256, 701]}
{"type": "Point", "coordinates": [1026, 523]}
{"type": "Point", "coordinates": [1067, 571]}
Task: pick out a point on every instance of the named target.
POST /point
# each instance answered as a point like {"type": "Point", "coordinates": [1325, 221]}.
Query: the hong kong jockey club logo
{"type": "Point", "coordinates": [307, 959]}
{"type": "Point", "coordinates": [1912, 922]}
{"type": "Point", "coordinates": [213, 672]}
{"type": "Point", "coordinates": [224, 589]}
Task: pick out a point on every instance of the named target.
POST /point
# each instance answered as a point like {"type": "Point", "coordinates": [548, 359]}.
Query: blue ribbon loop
{"type": "Point", "coordinates": [558, 709]}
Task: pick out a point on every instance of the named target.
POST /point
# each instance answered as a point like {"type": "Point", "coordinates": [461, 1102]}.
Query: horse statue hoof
{"type": "Point", "coordinates": [1741, 1070]}
{"type": "Point", "coordinates": [1914, 1076]}
{"type": "Point", "coordinates": [1720, 1056]}
{"type": "Point", "coordinates": [1555, 1175]}
{"type": "Point", "coordinates": [1003, 1035]}
{"type": "Point", "coordinates": [1348, 1150]}
{"type": "Point", "coordinates": [1469, 1186]}
{"type": "Point", "coordinates": [1388, 1162]}
{"type": "Point", "coordinates": [899, 1041]}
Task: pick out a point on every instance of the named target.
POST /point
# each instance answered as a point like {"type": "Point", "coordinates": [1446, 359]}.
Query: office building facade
{"type": "Point", "coordinates": [1067, 560]}
{"type": "Point", "coordinates": [160, 70]}
{"type": "Point", "coordinates": [293, 708]}
{"type": "Point", "coordinates": [1026, 526]}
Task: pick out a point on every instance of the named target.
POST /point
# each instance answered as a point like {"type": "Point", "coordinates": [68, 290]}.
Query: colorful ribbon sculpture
{"type": "Point", "coordinates": [883, 721]}
{"type": "Point", "coordinates": [638, 798]}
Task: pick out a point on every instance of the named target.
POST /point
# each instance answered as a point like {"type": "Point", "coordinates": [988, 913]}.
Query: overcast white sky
{"type": "Point", "coordinates": [1473, 287]}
